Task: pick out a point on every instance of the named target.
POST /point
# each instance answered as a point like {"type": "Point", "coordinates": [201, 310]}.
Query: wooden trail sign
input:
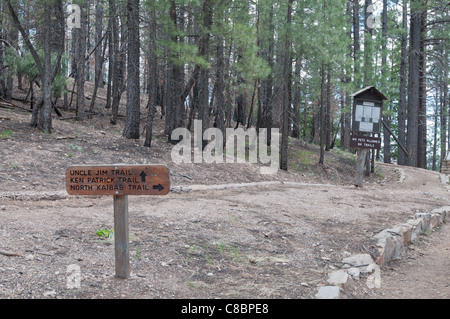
{"type": "Point", "coordinates": [119, 181]}
{"type": "Point", "coordinates": [367, 118]}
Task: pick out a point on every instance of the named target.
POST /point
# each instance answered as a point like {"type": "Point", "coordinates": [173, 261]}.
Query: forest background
{"type": "Point", "coordinates": [291, 65]}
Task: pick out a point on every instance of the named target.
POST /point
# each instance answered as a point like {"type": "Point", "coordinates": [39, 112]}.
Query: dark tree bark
{"type": "Point", "coordinates": [110, 64]}
{"type": "Point", "coordinates": [266, 91]}
{"type": "Point", "coordinates": [345, 96]}
{"type": "Point", "coordinates": [422, 112]}
{"type": "Point", "coordinates": [414, 84]}
{"type": "Point", "coordinates": [386, 135]}
{"type": "Point", "coordinates": [132, 120]}
{"type": "Point", "coordinates": [46, 78]}
{"type": "Point", "coordinates": [327, 119]}
{"type": "Point", "coordinates": [287, 77]}
{"type": "Point", "coordinates": [321, 115]}
{"type": "Point", "coordinates": [203, 106]}
{"type": "Point", "coordinates": [153, 82]}
{"type": "Point", "coordinates": [80, 63]}
{"type": "Point", "coordinates": [175, 79]}
{"type": "Point", "coordinates": [98, 53]}
{"type": "Point", "coordinates": [356, 43]}
{"type": "Point", "coordinates": [403, 79]}
{"type": "Point", "coordinates": [368, 51]}
{"type": "Point", "coordinates": [296, 103]}
{"type": "Point", "coordinates": [220, 87]}
{"type": "Point", "coordinates": [2, 49]}
{"type": "Point", "coordinates": [117, 63]}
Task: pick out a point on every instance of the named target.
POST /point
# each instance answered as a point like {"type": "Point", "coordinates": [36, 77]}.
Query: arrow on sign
{"type": "Point", "coordinates": [143, 175]}
{"type": "Point", "coordinates": [158, 187]}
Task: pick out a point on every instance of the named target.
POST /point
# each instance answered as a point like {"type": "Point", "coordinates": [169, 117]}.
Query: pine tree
{"type": "Point", "coordinates": [132, 120]}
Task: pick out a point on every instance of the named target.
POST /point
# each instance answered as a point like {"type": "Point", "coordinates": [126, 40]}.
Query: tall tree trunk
{"type": "Point", "coordinates": [87, 65]}
{"type": "Point", "coordinates": [220, 86]}
{"type": "Point", "coordinates": [321, 114]}
{"type": "Point", "coordinates": [403, 79]}
{"type": "Point", "coordinates": [99, 53]}
{"type": "Point", "coordinates": [346, 99]}
{"type": "Point", "coordinates": [45, 122]}
{"type": "Point", "coordinates": [368, 45]}
{"type": "Point", "coordinates": [328, 111]}
{"type": "Point", "coordinates": [445, 98]}
{"type": "Point", "coordinates": [175, 79]}
{"type": "Point", "coordinates": [434, 161]}
{"type": "Point", "coordinates": [268, 110]}
{"type": "Point", "coordinates": [386, 134]}
{"type": "Point", "coordinates": [241, 100]}
{"type": "Point", "coordinates": [2, 49]}
{"type": "Point", "coordinates": [356, 44]}
{"type": "Point", "coordinates": [287, 76]}
{"type": "Point", "coordinates": [422, 114]}
{"type": "Point", "coordinates": [204, 73]}
{"type": "Point", "coordinates": [12, 37]}
{"type": "Point", "coordinates": [153, 82]}
{"type": "Point", "coordinates": [110, 64]}
{"type": "Point", "coordinates": [443, 101]}
{"type": "Point", "coordinates": [265, 40]}
{"type": "Point", "coordinates": [117, 63]}
{"type": "Point", "coordinates": [81, 62]}
{"type": "Point", "coordinates": [296, 103]}
{"type": "Point", "coordinates": [414, 83]}
{"type": "Point", "coordinates": [443, 116]}
{"type": "Point", "coordinates": [132, 120]}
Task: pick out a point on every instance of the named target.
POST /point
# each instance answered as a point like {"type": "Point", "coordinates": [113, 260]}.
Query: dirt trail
{"type": "Point", "coordinates": [424, 271]}
{"type": "Point", "coordinates": [278, 239]}
{"type": "Point", "coordinates": [273, 241]}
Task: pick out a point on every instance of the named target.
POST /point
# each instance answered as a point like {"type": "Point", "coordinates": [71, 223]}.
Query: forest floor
{"type": "Point", "coordinates": [246, 240]}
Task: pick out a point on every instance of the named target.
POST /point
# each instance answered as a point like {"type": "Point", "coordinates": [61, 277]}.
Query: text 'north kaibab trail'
{"type": "Point", "coordinates": [118, 180]}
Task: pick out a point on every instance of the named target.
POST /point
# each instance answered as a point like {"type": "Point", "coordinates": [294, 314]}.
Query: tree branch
{"type": "Point", "coordinates": [30, 46]}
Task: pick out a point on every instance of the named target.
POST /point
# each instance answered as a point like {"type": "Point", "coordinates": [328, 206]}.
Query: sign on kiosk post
{"type": "Point", "coordinates": [367, 110]}
{"type": "Point", "coordinates": [366, 120]}
{"type": "Point", "coordinates": [119, 181]}
{"type": "Point", "coordinates": [357, 141]}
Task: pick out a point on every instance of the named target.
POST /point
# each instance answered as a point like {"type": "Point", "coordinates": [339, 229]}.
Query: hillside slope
{"type": "Point", "coordinates": [265, 240]}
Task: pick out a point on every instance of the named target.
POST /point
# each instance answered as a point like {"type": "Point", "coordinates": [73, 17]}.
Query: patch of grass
{"type": "Point", "coordinates": [304, 157]}
{"type": "Point", "coordinates": [74, 147]}
{"type": "Point", "coordinates": [234, 251]}
{"type": "Point", "coordinates": [222, 246]}
{"type": "Point", "coordinates": [190, 284]}
{"type": "Point", "coordinates": [302, 161]}
{"type": "Point", "coordinates": [138, 253]}
{"type": "Point", "coordinates": [6, 134]}
{"type": "Point", "coordinates": [105, 233]}
{"type": "Point", "coordinates": [215, 251]}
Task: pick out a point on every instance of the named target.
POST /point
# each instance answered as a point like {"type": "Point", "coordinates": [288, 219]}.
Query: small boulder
{"type": "Point", "coordinates": [329, 292]}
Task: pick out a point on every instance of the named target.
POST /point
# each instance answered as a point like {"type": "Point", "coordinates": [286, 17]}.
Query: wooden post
{"type": "Point", "coordinates": [119, 181]}
{"type": "Point", "coordinates": [361, 153]}
{"type": "Point", "coordinates": [121, 237]}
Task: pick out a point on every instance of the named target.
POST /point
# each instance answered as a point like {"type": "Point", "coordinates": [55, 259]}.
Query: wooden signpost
{"type": "Point", "coordinates": [119, 181]}
{"type": "Point", "coordinates": [366, 120]}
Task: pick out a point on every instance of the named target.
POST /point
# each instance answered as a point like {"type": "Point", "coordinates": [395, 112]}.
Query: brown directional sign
{"type": "Point", "coordinates": [366, 142]}
{"type": "Point", "coordinates": [118, 180]}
